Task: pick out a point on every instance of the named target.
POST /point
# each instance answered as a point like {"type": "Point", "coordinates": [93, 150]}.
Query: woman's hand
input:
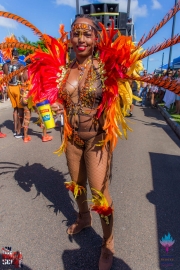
{"type": "Point", "coordinates": [57, 108]}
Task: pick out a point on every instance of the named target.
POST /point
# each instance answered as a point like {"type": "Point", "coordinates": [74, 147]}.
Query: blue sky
{"type": "Point", "coordinates": [48, 14]}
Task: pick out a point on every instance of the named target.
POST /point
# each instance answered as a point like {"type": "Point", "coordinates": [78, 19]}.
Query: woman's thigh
{"type": "Point", "coordinates": [98, 165]}
{"type": "Point", "coordinates": [76, 163]}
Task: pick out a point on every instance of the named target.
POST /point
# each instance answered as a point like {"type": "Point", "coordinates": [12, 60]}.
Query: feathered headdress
{"type": "Point", "coordinates": [7, 50]}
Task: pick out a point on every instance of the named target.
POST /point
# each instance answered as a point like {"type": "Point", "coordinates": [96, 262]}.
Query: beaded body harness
{"type": "Point", "coordinates": [89, 98]}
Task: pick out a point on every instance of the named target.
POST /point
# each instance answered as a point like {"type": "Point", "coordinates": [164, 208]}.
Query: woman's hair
{"type": "Point", "coordinates": [15, 52]}
{"type": "Point", "coordinates": [87, 16]}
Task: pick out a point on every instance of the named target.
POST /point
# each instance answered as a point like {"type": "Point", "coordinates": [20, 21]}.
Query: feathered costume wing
{"type": "Point", "coordinates": [46, 68]}
{"type": "Point", "coordinates": [47, 71]}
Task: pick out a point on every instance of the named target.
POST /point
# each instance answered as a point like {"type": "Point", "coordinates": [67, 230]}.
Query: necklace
{"type": "Point", "coordinates": [82, 68]}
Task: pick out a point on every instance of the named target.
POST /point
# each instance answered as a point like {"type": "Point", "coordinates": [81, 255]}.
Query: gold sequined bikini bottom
{"type": "Point", "coordinates": [79, 141]}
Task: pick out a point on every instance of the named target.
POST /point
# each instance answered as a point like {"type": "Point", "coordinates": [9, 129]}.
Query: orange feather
{"type": "Point", "coordinates": [20, 45]}
{"type": "Point", "coordinates": [7, 78]}
{"type": "Point", "coordinates": [23, 21]}
{"type": "Point", "coordinates": [159, 47]}
{"type": "Point", "coordinates": [155, 29]}
{"type": "Point", "coordinates": [172, 85]}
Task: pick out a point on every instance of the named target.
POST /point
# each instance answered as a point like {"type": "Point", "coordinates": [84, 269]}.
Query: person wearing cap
{"type": "Point", "coordinates": [169, 97]}
{"type": "Point", "coordinates": [14, 92]}
{"type": "Point", "coordinates": [177, 97]}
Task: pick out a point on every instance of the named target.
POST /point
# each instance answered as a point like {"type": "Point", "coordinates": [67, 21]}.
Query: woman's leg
{"type": "Point", "coordinates": [98, 171]}
{"type": "Point", "coordinates": [20, 119]}
{"type": "Point", "coordinates": [152, 99]}
{"type": "Point", "coordinates": [27, 116]}
{"type": "Point", "coordinates": [46, 137]}
{"type": "Point", "coordinates": [15, 120]}
{"type": "Point", "coordinates": [77, 170]}
{"type": "Point", "coordinates": [98, 165]}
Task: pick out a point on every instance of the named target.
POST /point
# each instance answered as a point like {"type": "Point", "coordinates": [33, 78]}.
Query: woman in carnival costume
{"type": "Point", "coordinates": [2, 90]}
{"type": "Point", "coordinates": [28, 105]}
{"type": "Point", "coordinates": [94, 94]}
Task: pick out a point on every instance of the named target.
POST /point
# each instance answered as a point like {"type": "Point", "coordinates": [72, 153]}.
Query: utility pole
{"type": "Point", "coordinates": [130, 24]}
{"type": "Point", "coordinates": [147, 63]}
{"type": "Point", "coordinates": [128, 8]}
{"type": "Point", "coordinates": [77, 6]}
{"type": "Point", "coordinates": [172, 35]}
{"type": "Point", "coordinates": [162, 61]}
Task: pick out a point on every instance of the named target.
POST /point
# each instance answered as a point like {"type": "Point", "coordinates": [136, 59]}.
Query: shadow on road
{"type": "Point", "coordinates": [87, 256]}
{"type": "Point", "coordinates": [8, 124]}
{"type": "Point", "coordinates": [166, 198]}
{"type": "Point", "coordinates": [48, 182]}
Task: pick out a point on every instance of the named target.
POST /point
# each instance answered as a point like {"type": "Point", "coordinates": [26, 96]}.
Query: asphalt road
{"type": "Point", "coordinates": [35, 207]}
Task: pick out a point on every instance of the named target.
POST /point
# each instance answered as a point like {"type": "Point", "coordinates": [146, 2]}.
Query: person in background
{"type": "Point", "coordinates": [177, 97]}
{"type": "Point", "coordinates": [161, 90]}
{"type": "Point", "coordinates": [28, 106]}
{"type": "Point", "coordinates": [3, 88]}
{"type": "Point", "coordinates": [45, 136]}
{"type": "Point", "coordinates": [174, 73]}
{"type": "Point", "coordinates": [2, 135]}
{"type": "Point", "coordinates": [14, 92]}
{"type": "Point", "coordinates": [169, 97]}
{"type": "Point", "coordinates": [25, 101]}
{"type": "Point", "coordinates": [134, 87]}
{"type": "Point", "coordinates": [153, 92]}
{"type": "Point", "coordinates": [143, 90]}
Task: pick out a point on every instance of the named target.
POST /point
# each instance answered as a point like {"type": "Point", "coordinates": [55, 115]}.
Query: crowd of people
{"type": "Point", "coordinates": [156, 95]}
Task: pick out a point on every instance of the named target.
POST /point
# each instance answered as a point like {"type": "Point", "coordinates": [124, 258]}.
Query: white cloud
{"type": "Point", "coordinates": [2, 8]}
{"type": "Point", "coordinates": [155, 4]}
{"type": "Point", "coordinates": [138, 11]}
{"type": "Point", "coordinates": [153, 59]}
{"type": "Point", "coordinates": [8, 23]}
{"type": "Point", "coordinates": [71, 3]}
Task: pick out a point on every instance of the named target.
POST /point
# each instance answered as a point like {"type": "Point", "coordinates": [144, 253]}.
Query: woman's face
{"type": "Point", "coordinates": [83, 37]}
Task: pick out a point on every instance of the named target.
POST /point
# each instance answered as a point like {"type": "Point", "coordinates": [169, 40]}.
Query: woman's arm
{"type": "Point", "coordinates": [5, 69]}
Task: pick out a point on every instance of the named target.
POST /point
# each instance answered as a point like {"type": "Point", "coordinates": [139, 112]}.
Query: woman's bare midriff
{"type": "Point", "coordinates": [85, 125]}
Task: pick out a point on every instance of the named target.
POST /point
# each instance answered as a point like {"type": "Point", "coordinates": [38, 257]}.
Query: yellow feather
{"type": "Point", "coordinates": [100, 199]}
